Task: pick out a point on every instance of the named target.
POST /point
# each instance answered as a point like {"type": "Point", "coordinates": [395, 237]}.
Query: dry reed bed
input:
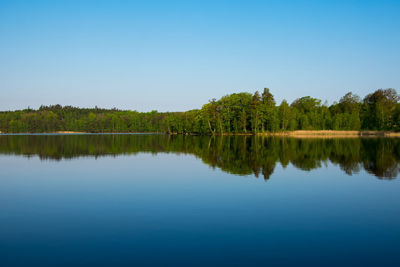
{"type": "Point", "coordinates": [334, 134]}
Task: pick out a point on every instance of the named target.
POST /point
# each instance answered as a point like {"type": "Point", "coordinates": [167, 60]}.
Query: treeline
{"type": "Point", "coordinates": [234, 113]}
{"type": "Point", "coordinates": [240, 155]}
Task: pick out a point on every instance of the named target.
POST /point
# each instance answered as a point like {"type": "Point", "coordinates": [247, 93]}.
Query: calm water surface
{"type": "Point", "coordinates": [139, 200]}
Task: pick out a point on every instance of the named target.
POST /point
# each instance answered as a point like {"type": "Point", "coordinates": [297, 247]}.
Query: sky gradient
{"type": "Point", "coordinates": [176, 55]}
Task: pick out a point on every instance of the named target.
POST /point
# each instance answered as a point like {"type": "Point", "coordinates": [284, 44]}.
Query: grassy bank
{"type": "Point", "coordinates": [296, 134]}
{"type": "Point", "coordinates": [332, 133]}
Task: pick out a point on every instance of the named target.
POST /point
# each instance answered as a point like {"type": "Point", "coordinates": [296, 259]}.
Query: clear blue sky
{"type": "Point", "coordinates": [176, 55]}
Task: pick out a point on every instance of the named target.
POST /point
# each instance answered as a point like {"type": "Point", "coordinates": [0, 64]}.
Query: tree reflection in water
{"type": "Point", "coordinates": [240, 155]}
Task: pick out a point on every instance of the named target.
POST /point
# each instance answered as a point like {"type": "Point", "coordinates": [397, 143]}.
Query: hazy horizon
{"type": "Point", "coordinates": [177, 55]}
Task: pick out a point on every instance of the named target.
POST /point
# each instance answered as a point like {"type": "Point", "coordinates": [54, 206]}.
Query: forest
{"type": "Point", "coordinates": [243, 113]}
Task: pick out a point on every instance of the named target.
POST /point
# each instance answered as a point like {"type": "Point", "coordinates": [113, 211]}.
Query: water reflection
{"type": "Point", "coordinates": [241, 155]}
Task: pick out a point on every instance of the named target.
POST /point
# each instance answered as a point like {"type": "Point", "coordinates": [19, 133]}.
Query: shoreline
{"type": "Point", "coordinates": [332, 134]}
{"type": "Point", "coordinates": [293, 134]}
{"type": "Point", "coordinates": [74, 133]}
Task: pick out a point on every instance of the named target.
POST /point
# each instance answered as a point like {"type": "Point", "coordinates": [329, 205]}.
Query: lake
{"type": "Point", "coordinates": [161, 200]}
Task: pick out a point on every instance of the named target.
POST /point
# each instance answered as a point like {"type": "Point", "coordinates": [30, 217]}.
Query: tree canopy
{"type": "Point", "coordinates": [234, 113]}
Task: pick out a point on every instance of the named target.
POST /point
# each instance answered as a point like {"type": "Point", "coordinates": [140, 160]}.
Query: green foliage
{"type": "Point", "coordinates": [380, 110]}
{"type": "Point", "coordinates": [234, 113]}
{"type": "Point", "coordinates": [242, 155]}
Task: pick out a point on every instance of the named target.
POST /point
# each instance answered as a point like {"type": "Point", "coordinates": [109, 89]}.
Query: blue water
{"type": "Point", "coordinates": [169, 209]}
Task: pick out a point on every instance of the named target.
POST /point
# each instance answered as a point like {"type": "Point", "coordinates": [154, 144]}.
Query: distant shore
{"type": "Point", "coordinates": [333, 134]}
{"type": "Point", "coordinates": [69, 132]}
{"type": "Point", "coordinates": [294, 134]}
{"type": "Point", "coordinates": [74, 132]}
